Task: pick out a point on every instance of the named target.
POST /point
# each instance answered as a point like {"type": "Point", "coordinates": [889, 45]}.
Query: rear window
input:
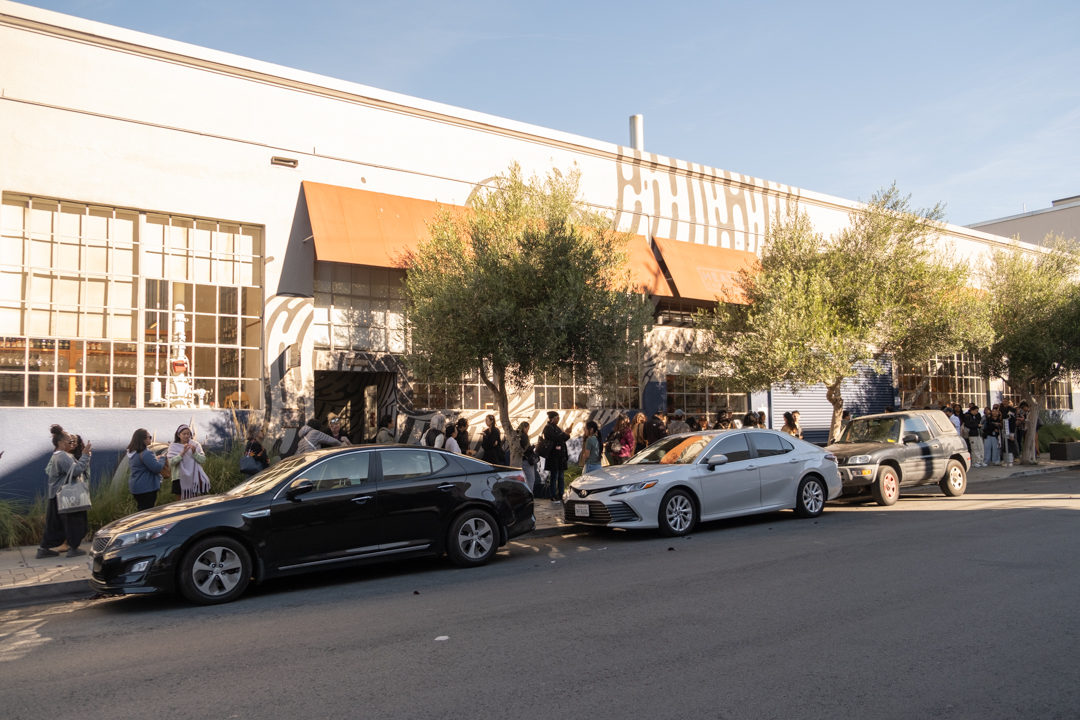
{"type": "Point", "coordinates": [944, 424]}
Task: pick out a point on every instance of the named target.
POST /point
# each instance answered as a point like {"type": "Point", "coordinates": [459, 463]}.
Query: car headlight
{"type": "Point", "coordinates": [133, 538]}
{"type": "Point", "coordinates": [633, 487]}
{"type": "Point", "coordinates": [859, 460]}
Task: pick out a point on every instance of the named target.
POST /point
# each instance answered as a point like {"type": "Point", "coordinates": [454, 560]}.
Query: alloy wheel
{"type": "Point", "coordinates": [813, 498]}
{"type": "Point", "coordinates": [679, 513]}
{"type": "Point", "coordinates": [216, 571]}
{"type": "Point", "coordinates": [475, 538]}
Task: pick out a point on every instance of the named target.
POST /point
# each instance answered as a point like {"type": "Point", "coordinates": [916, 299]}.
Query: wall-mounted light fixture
{"type": "Point", "coordinates": [284, 162]}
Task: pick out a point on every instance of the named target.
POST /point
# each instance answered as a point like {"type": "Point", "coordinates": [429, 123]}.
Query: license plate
{"type": "Point", "coordinates": [581, 510]}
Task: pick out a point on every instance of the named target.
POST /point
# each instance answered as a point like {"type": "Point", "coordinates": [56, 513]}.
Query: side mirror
{"type": "Point", "coordinates": [715, 460]}
{"type": "Point", "coordinates": [910, 438]}
{"type": "Point", "coordinates": [299, 487]}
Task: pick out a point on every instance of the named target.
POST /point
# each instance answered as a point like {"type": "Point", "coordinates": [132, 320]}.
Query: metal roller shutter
{"type": "Point", "coordinates": [863, 394]}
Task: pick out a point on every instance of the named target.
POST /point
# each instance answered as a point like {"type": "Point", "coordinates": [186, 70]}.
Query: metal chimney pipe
{"type": "Point", "coordinates": [637, 132]}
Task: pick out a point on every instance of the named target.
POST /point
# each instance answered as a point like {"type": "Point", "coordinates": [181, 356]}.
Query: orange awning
{"type": "Point", "coordinates": [365, 228]}
{"type": "Point", "coordinates": [645, 272]}
{"type": "Point", "coordinates": [704, 272]}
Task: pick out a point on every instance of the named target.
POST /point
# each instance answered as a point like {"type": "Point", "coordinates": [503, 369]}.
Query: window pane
{"type": "Point", "coordinates": [96, 392]}
{"type": "Point", "coordinates": [340, 471]}
{"type": "Point", "coordinates": [471, 398]}
{"type": "Point", "coordinates": [205, 329]}
{"type": "Point", "coordinates": [12, 387]}
{"type": "Point", "coordinates": [12, 353]}
{"type": "Point", "coordinates": [205, 299]}
{"type": "Point", "coordinates": [227, 334]}
{"type": "Point", "coordinates": [39, 390]}
{"type": "Point", "coordinates": [540, 398]}
{"type": "Point", "coordinates": [205, 362]}
{"type": "Point", "coordinates": [228, 363]}
{"type": "Point", "coordinates": [228, 301]}
{"type": "Point", "coordinates": [403, 464]}
{"type": "Point", "coordinates": [734, 447]}
{"type": "Point", "coordinates": [124, 358]}
{"type": "Point", "coordinates": [97, 358]}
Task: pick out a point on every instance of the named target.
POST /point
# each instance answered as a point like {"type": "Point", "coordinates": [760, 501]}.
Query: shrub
{"type": "Point", "coordinates": [1056, 432]}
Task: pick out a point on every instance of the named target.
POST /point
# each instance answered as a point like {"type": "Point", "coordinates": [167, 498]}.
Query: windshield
{"type": "Point", "coordinates": [271, 476]}
{"type": "Point", "coordinates": [885, 429]}
{"type": "Point", "coordinates": [673, 451]}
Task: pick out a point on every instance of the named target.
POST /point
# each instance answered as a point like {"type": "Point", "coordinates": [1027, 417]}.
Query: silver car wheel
{"type": "Point", "coordinates": [679, 513]}
{"type": "Point", "coordinates": [956, 478]}
{"type": "Point", "coordinates": [216, 571]}
{"type": "Point", "coordinates": [813, 497]}
{"type": "Point", "coordinates": [475, 538]}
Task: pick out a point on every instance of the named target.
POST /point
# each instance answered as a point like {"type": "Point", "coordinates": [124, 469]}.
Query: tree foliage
{"type": "Point", "coordinates": [818, 308]}
{"type": "Point", "coordinates": [1033, 303]}
{"type": "Point", "coordinates": [525, 280]}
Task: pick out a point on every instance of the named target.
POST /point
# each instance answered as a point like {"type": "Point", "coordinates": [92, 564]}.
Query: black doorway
{"type": "Point", "coordinates": [359, 398]}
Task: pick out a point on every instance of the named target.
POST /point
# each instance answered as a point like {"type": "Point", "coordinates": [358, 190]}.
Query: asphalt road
{"type": "Point", "coordinates": [944, 608]}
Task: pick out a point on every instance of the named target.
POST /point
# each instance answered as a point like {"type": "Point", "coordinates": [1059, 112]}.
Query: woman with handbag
{"type": "Point", "coordinates": [621, 441]}
{"type": "Point", "coordinates": [529, 459]}
{"type": "Point", "coordinates": [146, 471]}
{"type": "Point", "coordinates": [186, 458]}
{"type": "Point", "coordinates": [64, 468]}
{"type": "Point", "coordinates": [255, 459]}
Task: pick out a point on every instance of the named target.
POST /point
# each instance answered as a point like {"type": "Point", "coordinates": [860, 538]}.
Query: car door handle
{"type": "Point", "coordinates": [935, 446]}
{"type": "Point", "coordinates": [361, 500]}
{"type": "Point", "coordinates": [447, 486]}
{"type": "Point", "coordinates": [793, 461]}
{"type": "Point", "coordinates": [751, 467]}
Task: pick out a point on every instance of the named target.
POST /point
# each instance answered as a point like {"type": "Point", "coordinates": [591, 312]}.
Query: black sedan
{"type": "Point", "coordinates": [325, 509]}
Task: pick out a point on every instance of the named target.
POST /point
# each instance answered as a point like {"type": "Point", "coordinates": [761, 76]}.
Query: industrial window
{"type": "Point", "coordinates": [622, 389]}
{"type": "Point", "coordinates": [1058, 396]}
{"type": "Point", "coordinates": [702, 397]}
{"type": "Point", "coordinates": [88, 307]}
{"type": "Point", "coordinates": [467, 394]}
{"type": "Point", "coordinates": [358, 307]}
{"type": "Point", "coordinates": [563, 389]}
{"type": "Point", "coordinates": [947, 379]}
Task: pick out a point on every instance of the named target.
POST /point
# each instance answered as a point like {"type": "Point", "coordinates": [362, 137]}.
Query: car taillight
{"type": "Point", "coordinates": [830, 457]}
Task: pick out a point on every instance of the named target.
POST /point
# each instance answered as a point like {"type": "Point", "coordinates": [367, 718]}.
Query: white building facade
{"type": "Point", "coordinates": [188, 235]}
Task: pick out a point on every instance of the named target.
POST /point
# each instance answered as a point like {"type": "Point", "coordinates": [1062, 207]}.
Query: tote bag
{"type": "Point", "coordinates": [73, 495]}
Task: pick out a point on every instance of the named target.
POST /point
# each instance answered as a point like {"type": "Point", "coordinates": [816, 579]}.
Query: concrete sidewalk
{"type": "Point", "coordinates": [25, 580]}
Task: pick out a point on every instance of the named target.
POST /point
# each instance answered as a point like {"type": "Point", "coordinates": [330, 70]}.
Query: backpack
{"type": "Point", "coordinates": [431, 437]}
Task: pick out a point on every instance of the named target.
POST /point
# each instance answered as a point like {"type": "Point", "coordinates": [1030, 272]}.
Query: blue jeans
{"type": "Point", "coordinates": [991, 452]}
{"type": "Point", "coordinates": [556, 481]}
{"type": "Point", "coordinates": [592, 467]}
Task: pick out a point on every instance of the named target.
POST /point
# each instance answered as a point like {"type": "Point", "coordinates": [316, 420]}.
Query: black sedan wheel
{"type": "Point", "coordinates": [215, 570]}
{"type": "Point", "coordinates": [473, 539]}
{"type": "Point", "coordinates": [810, 499]}
{"type": "Point", "coordinates": [955, 481]}
{"type": "Point", "coordinates": [886, 489]}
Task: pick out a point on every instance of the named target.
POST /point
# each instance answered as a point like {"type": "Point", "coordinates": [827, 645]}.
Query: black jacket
{"type": "Point", "coordinates": [556, 455]}
{"type": "Point", "coordinates": [654, 430]}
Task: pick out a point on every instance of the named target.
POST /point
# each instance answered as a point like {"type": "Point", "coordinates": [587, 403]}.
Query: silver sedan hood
{"type": "Point", "coordinates": [617, 475]}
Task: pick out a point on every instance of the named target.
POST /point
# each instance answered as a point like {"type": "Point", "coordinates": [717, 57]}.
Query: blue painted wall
{"type": "Point", "coordinates": [27, 444]}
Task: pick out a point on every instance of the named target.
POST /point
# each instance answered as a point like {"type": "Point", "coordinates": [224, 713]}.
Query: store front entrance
{"type": "Point", "coordinates": [358, 398]}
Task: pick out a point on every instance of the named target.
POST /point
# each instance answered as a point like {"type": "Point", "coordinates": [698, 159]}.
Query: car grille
{"type": "Point", "coordinates": [599, 513]}
{"type": "Point", "coordinates": [100, 543]}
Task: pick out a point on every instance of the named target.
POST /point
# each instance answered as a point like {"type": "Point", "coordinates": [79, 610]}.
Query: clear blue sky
{"type": "Point", "coordinates": [976, 104]}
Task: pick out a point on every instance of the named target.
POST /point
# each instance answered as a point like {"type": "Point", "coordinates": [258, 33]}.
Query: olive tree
{"type": "Point", "coordinates": [1033, 299]}
{"type": "Point", "coordinates": [526, 279]}
{"type": "Point", "coordinates": [815, 309]}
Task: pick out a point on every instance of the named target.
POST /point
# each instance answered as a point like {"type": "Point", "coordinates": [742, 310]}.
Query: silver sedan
{"type": "Point", "coordinates": [682, 479]}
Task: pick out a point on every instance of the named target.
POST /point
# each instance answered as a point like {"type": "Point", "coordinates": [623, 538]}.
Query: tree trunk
{"type": "Point", "coordinates": [502, 398]}
{"type": "Point", "coordinates": [1036, 402]}
{"type": "Point", "coordinates": [832, 394]}
{"type": "Point", "coordinates": [922, 387]}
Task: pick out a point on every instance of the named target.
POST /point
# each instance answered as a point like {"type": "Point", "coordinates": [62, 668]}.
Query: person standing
{"type": "Point", "coordinates": [694, 424]}
{"type": "Point", "coordinates": [555, 455]}
{"type": "Point", "coordinates": [312, 438]}
{"type": "Point", "coordinates": [436, 434]}
{"type": "Point", "coordinates": [333, 422]}
{"type": "Point", "coordinates": [186, 458]}
{"type": "Point", "coordinates": [655, 429]}
{"type": "Point", "coordinates": [254, 448]}
{"type": "Point", "coordinates": [590, 454]}
{"type": "Point", "coordinates": [750, 420]}
{"type": "Point", "coordinates": [491, 441]}
{"type": "Point", "coordinates": [463, 436]}
{"type": "Point", "coordinates": [384, 436]}
{"type": "Point", "coordinates": [679, 425]}
{"type": "Point", "coordinates": [450, 444]}
{"type": "Point", "coordinates": [621, 443]}
{"type": "Point", "coordinates": [971, 427]}
{"type": "Point", "coordinates": [638, 429]}
{"type": "Point", "coordinates": [992, 432]}
{"type": "Point", "coordinates": [62, 467]}
{"type": "Point", "coordinates": [145, 479]}
{"type": "Point", "coordinates": [529, 460]}
{"type": "Point", "coordinates": [949, 413]}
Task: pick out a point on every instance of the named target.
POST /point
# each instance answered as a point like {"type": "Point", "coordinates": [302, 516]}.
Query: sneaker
{"type": "Point", "coordinates": [75, 552]}
{"type": "Point", "coordinates": [46, 552]}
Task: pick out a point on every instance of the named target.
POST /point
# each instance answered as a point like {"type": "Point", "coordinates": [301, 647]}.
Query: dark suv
{"type": "Point", "coordinates": [880, 454]}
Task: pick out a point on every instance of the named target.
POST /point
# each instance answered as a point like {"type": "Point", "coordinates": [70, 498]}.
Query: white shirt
{"type": "Point", "coordinates": [956, 423]}
{"type": "Point", "coordinates": [452, 446]}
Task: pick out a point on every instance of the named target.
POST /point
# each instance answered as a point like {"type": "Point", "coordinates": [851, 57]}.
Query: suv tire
{"type": "Point", "coordinates": [886, 489]}
{"type": "Point", "coordinates": [955, 481]}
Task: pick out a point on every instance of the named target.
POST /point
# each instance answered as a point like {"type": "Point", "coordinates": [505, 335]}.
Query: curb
{"type": "Point", "coordinates": [1040, 471]}
{"type": "Point", "coordinates": [556, 531]}
{"type": "Point", "coordinates": [44, 592]}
